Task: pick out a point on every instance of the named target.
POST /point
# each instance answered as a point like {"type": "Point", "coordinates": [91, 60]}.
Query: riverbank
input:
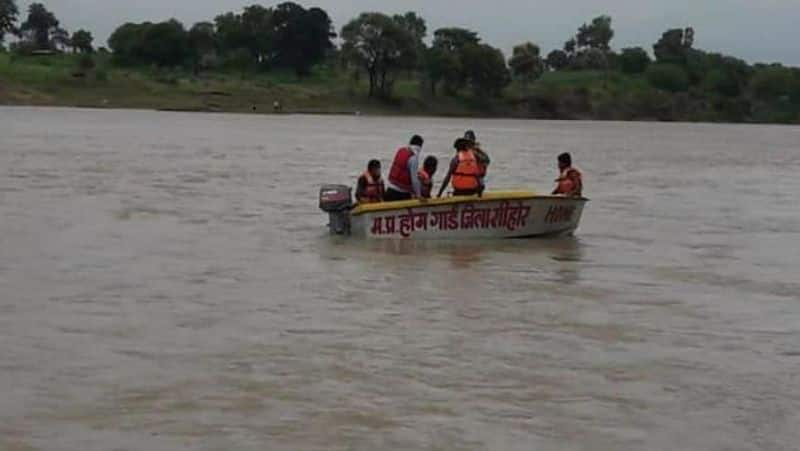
{"type": "Point", "coordinates": [58, 80]}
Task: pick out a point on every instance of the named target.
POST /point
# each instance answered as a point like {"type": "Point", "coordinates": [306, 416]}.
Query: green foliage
{"type": "Point", "coordinates": [674, 45]}
{"type": "Point", "coordinates": [447, 56]}
{"type": "Point", "coordinates": [163, 44]}
{"type": "Point", "coordinates": [590, 59]}
{"type": "Point", "coordinates": [773, 82]}
{"type": "Point", "coordinates": [724, 75]}
{"type": "Point", "coordinates": [414, 24]}
{"type": "Point", "coordinates": [378, 44]}
{"type": "Point", "coordinates": [9, 13]}
{"type": "Point", "coordinates": [301, 37]}
{"type": "Point", "coordinates": [86, 62]}
{"type": "Point", "coordinates": [485, 69]}
{"type": "Point", "coordinates": [668, 77]}
{"type": "Point", "coordinates": [596, 35]}
{"type": "Point", "coordinates": [454, 39]}
{"type": "Point", "coordinates": [82, 41]}
{"type": "Point", "coordinates": [40, 23]}
{"type": "Point", "coordinates": [557, 60]}
{"type": "Point", "coordinates": [526, 63]}
{"type": "Point", "coordinates": [634, 60]}
{"type": "Point", "coordinates": [101, 75]}
{"type": "Point", "coordinates": [443, 66]}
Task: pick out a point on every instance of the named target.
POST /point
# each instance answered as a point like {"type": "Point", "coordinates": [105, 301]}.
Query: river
{"type": "Point", "coordinates": [166, 283]}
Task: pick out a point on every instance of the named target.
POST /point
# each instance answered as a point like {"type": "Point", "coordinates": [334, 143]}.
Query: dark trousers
{"type": "Point", "coordinates": [392, 195]}
{"type": "Point", "coordinates": [470, 192]}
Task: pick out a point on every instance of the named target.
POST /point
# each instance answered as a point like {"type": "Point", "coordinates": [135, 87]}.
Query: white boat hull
{"type": "Point", "coordinates": [494, 216]}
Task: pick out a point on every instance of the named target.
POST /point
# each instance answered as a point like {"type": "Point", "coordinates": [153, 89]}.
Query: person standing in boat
{"type": "Point", "coordinates": [370, 188]}
{"type": "Point", "coordinates": [570, 180]}
{"type": "Point", "coordinates": [404, 181]}
{"type": "Point", "coordinates": [426, 176]}
{"type": "Point", "coordinates": [464, 172]}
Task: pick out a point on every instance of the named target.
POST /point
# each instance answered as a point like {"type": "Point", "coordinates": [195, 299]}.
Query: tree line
{"type": "Point", "coordinates": [383, 47]}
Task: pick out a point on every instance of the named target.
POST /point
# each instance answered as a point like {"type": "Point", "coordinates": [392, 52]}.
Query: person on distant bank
{"type": "Point", "coordinates": [426, 176]}
{"type": "Point", "coordinates": [370, 188]}
{"type": "Point", "coordinates": [464, 172]}
{"type": "Point", "coordinates": [570, 180]}
{"type": "Point", "coordinates": [404, 181]}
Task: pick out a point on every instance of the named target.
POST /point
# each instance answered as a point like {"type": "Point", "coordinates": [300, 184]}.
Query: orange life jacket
{"type": "Point", "coordinates": [374, 190]}
{"type": "Point", "coordinates": [570, 182]}
{"type": "Point", "coordinates": [467, 173]}
{"type": "Point", "coordinates": [426, 182]}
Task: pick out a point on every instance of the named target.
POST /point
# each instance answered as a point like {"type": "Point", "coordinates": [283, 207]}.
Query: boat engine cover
{"type": "Point", "coordinates": [334, 198]}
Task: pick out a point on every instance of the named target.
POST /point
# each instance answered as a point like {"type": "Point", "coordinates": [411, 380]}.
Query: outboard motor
{"type": "Point", "coordinates": [337, 201]}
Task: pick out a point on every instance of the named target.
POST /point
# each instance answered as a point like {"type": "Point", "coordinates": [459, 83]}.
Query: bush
{"type": "Point", "coordinates": [773, 82]}
{"type": "Point", "coordinates": [86, 62]}
{"type": "Point", "coordinates": [634, 60]}
{"type": "Point", "coordinates": [722, 82]}
{"type": "Point", "coordinates": [101, 75]}
{"type": "Point", "coordinates": [668, 77]}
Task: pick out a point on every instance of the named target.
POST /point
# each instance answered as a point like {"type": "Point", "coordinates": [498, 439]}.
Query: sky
{"type": "Point", "coordinates": [755, 30]}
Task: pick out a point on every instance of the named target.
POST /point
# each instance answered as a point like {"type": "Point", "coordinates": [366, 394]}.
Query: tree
{"type": "Point", "coordinates": [230, 31]}
{"type": "Point", "coordinates": [674, 46]}
{"type": "Point", "coordinates": [163, 44]}
{"type": "Point", "coordinates": [571, 47]}
{"type": "Point", "coordinates": [596, 35]}
{"type": "Point", "coordinates": [202, 42]}
{"type": "Point", "coordinates": [442, 66]}
{"type": "Point", "coordinates": [454, 39]}
{"type": "Point", "coordinates": [526, 62]}
{"type": "Point", "coordinates": [668, 77]}
{"type": "Point", "coordinates": [301, 38]}
{"type": "Point", "coordinates": [59, 39]}
{"type": "Point", "coordinates": [591, 59]}
{"type": "Point", "coordinates": [8, 18]}
{"type": "Point", "coordinates": [126, 43]}
{"type": "Point", "coordinates": [557, 60]}
{"type": "Point", "coordinates": [414, 24]}
{"type": "Point", "coordinates": [40, 24]}
{"type": "Point", "coordinates": [257, 32]}
{"type": "Point", "coordinates": [166, 44]}
{"type": "Point", "coordinates": [486, 70]}
{"type": "Point", "coordinates": [418, 29]}
{"type": "Point", "coordinates": [82, 41]}
{"type": "Point", "coordinates": [634, 60]}
{"type": "Point", "coordinates": [773, 82]}
{"type": "Point", "coordinates": [450, 45]}
{"type": "Point", "coordinates": [377, 43]}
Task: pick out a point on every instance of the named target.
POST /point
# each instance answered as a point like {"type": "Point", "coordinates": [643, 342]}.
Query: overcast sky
{"type": "Point", "coordinates": [756, 30]}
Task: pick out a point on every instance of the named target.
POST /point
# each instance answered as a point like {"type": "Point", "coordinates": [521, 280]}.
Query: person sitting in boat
{"type": "Point", "coordinates": [426, 176]}
{"type": "Point", "coordinates": [480, 154]}
{"type": "Point", "coordinates": [404, 181]}
{"type": "Point", "coordinates": [464, 171]}
{"type": "Point", "coordinates": [370, 188]}
{"type": "Point", "coordinates": [570, 182]}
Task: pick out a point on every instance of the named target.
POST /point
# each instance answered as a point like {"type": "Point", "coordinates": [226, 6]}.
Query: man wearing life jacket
{"type": "Point", "coordinates": [480, 154]}
{"type": "Point", "coordinates": [370, 189]}
{"type": "Point", "coordinates": [570, 182]}
{"type": "Point", "coordinates": [426, 176]}
{"type": "Point", "coordinates": [404, 181]}
{"type": "Point", "coordinates": [464, 172]}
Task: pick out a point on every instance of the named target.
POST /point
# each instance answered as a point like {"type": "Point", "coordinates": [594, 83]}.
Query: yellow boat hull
{"type": "Point", "coordinates": [500, 214]}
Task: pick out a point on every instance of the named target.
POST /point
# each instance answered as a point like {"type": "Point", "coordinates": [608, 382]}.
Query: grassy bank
{"type": "Point", "coordinates": [56, 80]}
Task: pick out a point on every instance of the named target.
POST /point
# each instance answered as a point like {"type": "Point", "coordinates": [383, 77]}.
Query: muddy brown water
{"type": "Point", "coordinates": [166, 283]}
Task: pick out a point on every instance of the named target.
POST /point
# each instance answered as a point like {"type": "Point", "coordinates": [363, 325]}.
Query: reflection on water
{"type": "Point", "coordinates": [561, 257]}
{"type": "Point", "coordinates": [166, 283]}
